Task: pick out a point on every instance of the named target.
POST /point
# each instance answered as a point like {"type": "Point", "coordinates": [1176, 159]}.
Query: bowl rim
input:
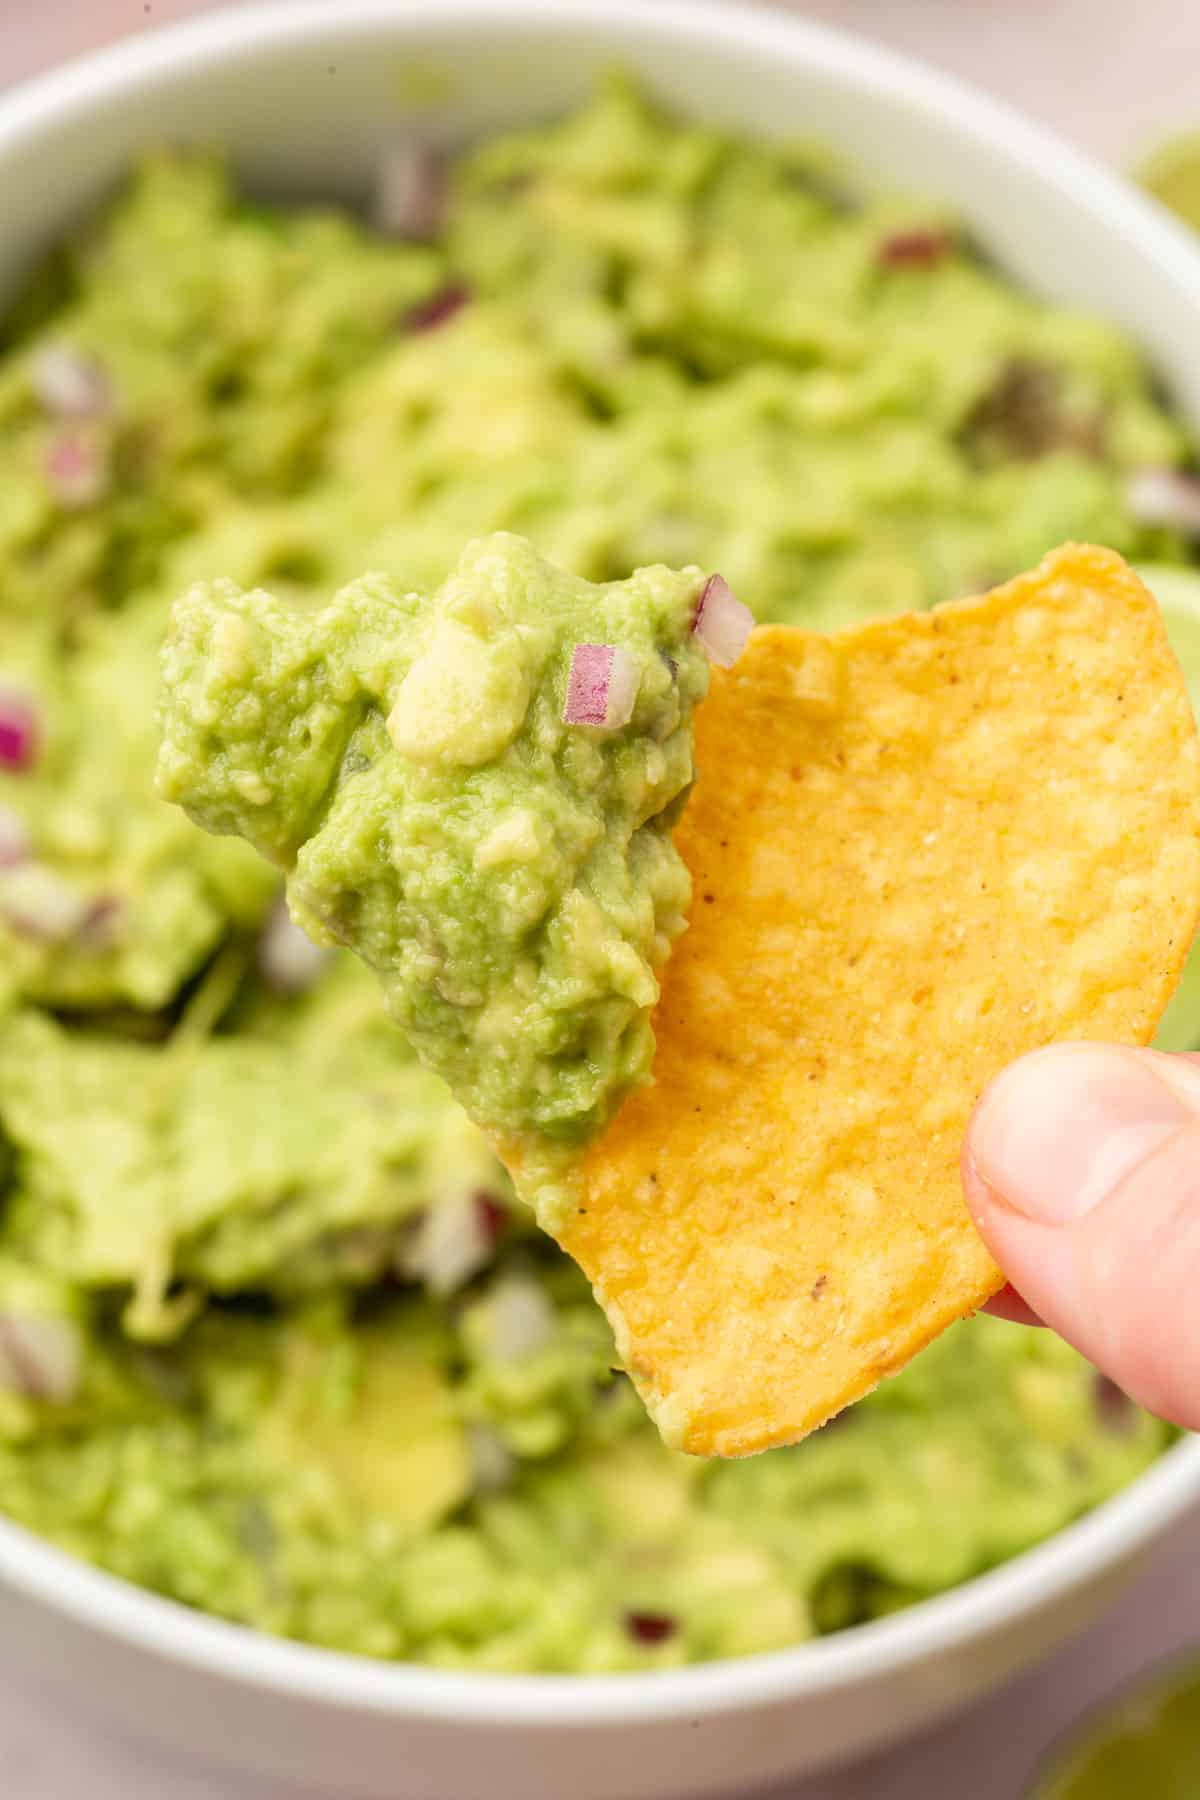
{"type": "Point", "coordinates": [1034, 1580]}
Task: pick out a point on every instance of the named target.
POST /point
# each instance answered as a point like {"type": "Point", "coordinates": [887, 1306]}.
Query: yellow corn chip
{"type": "Point", "coordinates": [919, 849]}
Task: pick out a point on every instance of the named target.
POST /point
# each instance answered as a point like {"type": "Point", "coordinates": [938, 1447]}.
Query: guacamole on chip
{"type": "Point", "coordinates": [275, 1342]}
{"type": "Point", "coordinates": [493, 841]}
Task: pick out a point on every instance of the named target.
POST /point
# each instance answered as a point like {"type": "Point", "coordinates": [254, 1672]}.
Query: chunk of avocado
{"type": "Point", "coordinates": [384, 1429]}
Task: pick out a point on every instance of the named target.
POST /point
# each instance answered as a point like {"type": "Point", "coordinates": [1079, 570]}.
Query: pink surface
{"type": "Point", "coordinates": [1113, 75]}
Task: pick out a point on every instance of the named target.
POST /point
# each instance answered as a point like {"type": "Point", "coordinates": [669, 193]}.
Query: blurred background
{"type": "Point", "coordinates": [1115, 77]}
{"type": "Point", "coordinates": [1106, 72]}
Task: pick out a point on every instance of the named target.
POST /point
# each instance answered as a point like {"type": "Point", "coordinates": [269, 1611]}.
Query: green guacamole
{"type": "Point", "coordinates": [509, 875]}
{"type": "Point", "coordinates": [274, 1339]}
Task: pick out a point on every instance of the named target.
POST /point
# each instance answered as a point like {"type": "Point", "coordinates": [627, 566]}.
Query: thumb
{"type": "Point", "coordinates": [1082, 1171]}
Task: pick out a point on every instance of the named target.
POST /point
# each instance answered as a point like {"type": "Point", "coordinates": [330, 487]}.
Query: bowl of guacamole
{"type": "Point", "coordinates": [305, 1432]}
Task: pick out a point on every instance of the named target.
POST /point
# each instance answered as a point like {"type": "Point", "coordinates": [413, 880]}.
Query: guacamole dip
{"type": "Point", "coordinates": [494, 842]}
{"type": "Point", "coordinates": [274, 1340]}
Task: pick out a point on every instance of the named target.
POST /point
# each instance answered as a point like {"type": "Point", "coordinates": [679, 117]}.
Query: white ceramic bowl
{"type": "Point", "coordinates": [305, 97]}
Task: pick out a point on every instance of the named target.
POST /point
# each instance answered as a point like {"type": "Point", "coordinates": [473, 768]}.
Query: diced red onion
{"type": "Point", "coordinates": [922, 247]}
{"type": "Point", "coordinates": [492, 1461]}
{"type": "Point", "coordinates": [288, 960]}
{"type": "Point", "coordinates": [75, 470]}
{"type": "Point", "coordinates": [40, 1355]}
{"type": "Point", "coordinates": [70, 385]}
{"type": "Point", "coordinates": [18, 730]}
{"type": "Point", "coordinates": [493, 1216]}
{"type": "Point", "coordinates": [521, 1319]}
{"type": "Point", "coordinates": [722, 623]}
{"type": "Point", "coordinates": [453, 1241]}
{"type": "Point", "coordinates": [602, 685]}
{"type": "Point", "coordinates": [98, 928]}
{"type": "Point", "coordinates": [650, 1627]}
{"type": "Point", "coordinates": [38, 904]}
{"type": "Point", "coordinates": [427, 315]}
{"type": "Point", "coordinates": [1165, 497]}
{"type": "Point", "coordinates": [14, 838]}
{"type": "Point", "coordinates": [410, 193]}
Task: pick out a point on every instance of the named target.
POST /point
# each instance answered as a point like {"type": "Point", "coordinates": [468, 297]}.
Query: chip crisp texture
{"type": "Point", "coordinates": [919, 849]}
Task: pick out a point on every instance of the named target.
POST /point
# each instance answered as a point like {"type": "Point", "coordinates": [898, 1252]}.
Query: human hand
{"type": "Point", "coordinates": [1081, 1167]}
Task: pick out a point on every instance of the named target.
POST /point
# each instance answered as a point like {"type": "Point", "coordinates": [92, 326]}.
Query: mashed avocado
{"type": "Point", "coordinates": [509, 875]}
{"type": "Point", "coordinates": [273, 1340]}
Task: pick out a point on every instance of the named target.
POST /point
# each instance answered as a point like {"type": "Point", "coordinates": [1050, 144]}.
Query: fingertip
{"type": "Point", "coordinates": [1059, 1130]}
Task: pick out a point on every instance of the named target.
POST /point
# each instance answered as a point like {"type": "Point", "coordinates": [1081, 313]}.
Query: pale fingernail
{"type": "Point", "coordinates": [1062, 1128]}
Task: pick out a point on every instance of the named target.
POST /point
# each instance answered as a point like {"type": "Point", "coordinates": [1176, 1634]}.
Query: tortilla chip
{"type": "Point", "coordinates": [919, 849]}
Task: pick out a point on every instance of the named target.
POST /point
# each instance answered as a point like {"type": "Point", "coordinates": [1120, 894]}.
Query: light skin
{"type": "Point", "coordinates": [1081, 1167]}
